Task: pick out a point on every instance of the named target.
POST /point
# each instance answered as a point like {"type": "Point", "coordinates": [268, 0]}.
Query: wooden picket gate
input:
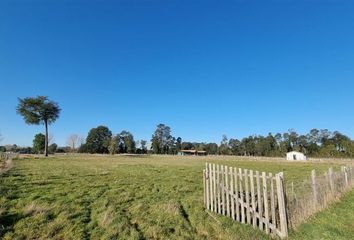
{"type": "Point", "coordinates": [247, 196]}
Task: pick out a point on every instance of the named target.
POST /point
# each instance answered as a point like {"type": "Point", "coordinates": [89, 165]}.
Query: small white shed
{"type": "Point", "coordinates": [293, 156]}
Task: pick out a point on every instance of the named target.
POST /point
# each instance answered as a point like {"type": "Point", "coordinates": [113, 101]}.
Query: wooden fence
{"type": "Point", "coordinates": [8, 155]}
{"type": "Point", "coordinates": [316, 192]}
{"type": "Point", "coordinates": [247, 196]}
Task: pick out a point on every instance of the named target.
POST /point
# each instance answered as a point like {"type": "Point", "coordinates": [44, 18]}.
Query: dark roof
{"type": "Point", "coordinates": [193, 151]}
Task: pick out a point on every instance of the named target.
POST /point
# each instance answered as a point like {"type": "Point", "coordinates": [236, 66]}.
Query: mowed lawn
{"type": "Point", "coordinates": [123, 197]}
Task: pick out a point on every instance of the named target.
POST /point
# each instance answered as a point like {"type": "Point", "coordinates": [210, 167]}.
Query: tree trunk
{"type": "Point", "coordinates": [46, 139]}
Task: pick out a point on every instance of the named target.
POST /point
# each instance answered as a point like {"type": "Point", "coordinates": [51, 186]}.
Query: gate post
{"type": "Point", "coordinates": [281, 203]}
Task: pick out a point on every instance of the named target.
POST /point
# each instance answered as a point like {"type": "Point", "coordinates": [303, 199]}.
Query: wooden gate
{"type": "Point", "coordinates": [247, 196]}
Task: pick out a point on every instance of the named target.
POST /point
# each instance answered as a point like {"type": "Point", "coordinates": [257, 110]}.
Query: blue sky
{"type": "Point", "coordinates": [204, 68]}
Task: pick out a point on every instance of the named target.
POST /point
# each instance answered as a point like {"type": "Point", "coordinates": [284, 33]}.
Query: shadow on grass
{"type": "Point", "coordinates": [8, 221]}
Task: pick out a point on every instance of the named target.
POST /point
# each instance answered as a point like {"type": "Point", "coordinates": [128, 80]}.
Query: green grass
{"type": "Point", "coordinates": [336, 222]}
{"type": "Point", "coordinates": [122, 197]}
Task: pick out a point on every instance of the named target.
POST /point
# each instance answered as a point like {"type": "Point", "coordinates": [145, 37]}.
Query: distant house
{"type": "Point", "coordinates": [192, 153]}
{"type": "Point", "coordinates": [293, 156]}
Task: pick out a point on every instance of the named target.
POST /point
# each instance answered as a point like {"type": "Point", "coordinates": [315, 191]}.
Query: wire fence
{"type": "Point", "coordinates": [316, 192]}
{"type": "Point", "coordinates": [8, 155]}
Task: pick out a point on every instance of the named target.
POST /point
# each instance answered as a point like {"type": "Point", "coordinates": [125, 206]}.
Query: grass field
{"type": "Point", "coordinates": [336, 222]}
{"type": "Point", "coordinates": [125, 197]}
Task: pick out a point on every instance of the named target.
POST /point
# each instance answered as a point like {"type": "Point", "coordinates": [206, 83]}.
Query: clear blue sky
{"type": "Point", "coordinates": [201, 67]}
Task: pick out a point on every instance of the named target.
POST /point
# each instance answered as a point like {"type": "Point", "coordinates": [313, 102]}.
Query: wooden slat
{"type": "Point", "coordinates": [272, 202]}
{"type": "Point", "coordinates": [253, 200]}
{"type": "Point", "coordinates": [214, 189]}
{"type": "Point", "coordinates": [218, 189]}
{"type": "Point", "coordinates": [223, 190]}
{"type": "Point", "coordinates": [281, 205]}
{"type": "Point", "coordinates": [241, 196]}
{"type": "Point", "coordinates": [248, 208]}
{"type": "Point", "coordinates": [204, 183]}
{"type": "Point", "coordinates": [237, 196]}
{"type": "Point", "coordinates": [259, 198]}
{"type": "Point", "coordinates": [233, 193]}
{"type": "Point", "coordinates": [211, 187]}
{"type": "Point", "coordinates": [207, 186]}
{"type": "Point", "coordinates": [227, 191]}
{"type": "Point", "coordinates": [266, 205]}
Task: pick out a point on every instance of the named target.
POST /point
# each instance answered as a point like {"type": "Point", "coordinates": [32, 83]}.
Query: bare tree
{"type": "Point", "coordinates": [73, 141]}
{"type": "Point", "coordinates": [81, 141]}
{"type": "Point", "coordinates": [50, 139]}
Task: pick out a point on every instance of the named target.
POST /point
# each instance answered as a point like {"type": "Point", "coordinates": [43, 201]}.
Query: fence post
{"type": "Point", "coordinates": [253, 200]}
{"type": "Point", "coordinates": [237, 196]}
{"type": "Point", "coordinates": [214, 188]}
{"type": "Point", "coordinates": [232, 193]}
{"type": "Point", "coordinates": [204, 182]}
{"type": "Point", "coordinates": [222, 189]}
{"type": "Point", "coordinates": [282, 207]}
{"type": "Point", "coordinates": [314, 187]}
{"type": "Point", "coordinates": [331, 179]}
{"type": "Point", "coordinates": [272, 202]}
{"type": "Point", "coordinates": [218, 189]}
{"type": "Point", "coordinates": [207, 186]}
{"type": "Point", "coordinates": [265, 201]}
{"type": "Point", "coordinates": [241, 197]}
{"type": "Point", "coordinates": [211, 187]}
{"type": "Point", "coordinates": [227, 191]}
{"type": "Point", "coordinates": [248, 213]}
{"type": "Point", "coordinates": [345, 171]}
{"type": "Point", "coordinates": [259, 200]}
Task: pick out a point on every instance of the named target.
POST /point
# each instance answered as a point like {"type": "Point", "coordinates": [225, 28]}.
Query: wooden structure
{"type": "Point", "coordinates": [247, 196]}
{"type": "Point", "coordinates": [192, 153]}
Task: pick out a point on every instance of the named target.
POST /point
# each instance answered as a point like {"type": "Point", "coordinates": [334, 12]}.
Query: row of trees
{"type": "Point", "coordinates": [316, 143]}
{"type": "Point", "coordinates": [38, 147]}
{"type": "Point", "coordinates": [319, 143]}
{"type": "Point", "coordinates": [101, 140]}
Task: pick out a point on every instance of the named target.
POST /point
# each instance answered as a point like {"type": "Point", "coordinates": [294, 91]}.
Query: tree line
{"type": "Point", "coordinates": [101, 140]}
{"type": "Point", "coordinates": [315, 143]}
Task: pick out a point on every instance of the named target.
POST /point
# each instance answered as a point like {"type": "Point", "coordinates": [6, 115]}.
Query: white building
{"type": "Point", "coordinates": [293, 156]}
